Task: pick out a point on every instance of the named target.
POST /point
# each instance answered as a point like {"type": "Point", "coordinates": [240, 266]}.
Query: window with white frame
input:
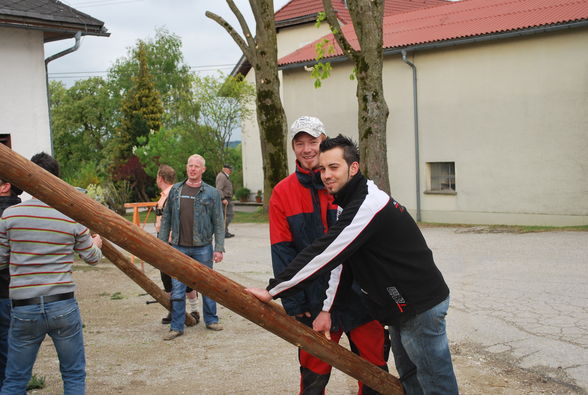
{"type": "Point", "coordinates": [441, 177]}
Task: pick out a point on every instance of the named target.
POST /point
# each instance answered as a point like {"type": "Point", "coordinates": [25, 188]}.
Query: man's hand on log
{"type": "Point", "coordinates": [97, 240]}
{"type": "Point", "coordinates": [322, 324]}
{"type": "Point", "coordinates": [260, 294]}
{"type": "Point", "coordinates": [217, 257]}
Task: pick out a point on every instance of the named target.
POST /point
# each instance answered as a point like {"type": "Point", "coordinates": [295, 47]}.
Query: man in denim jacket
{"type": "Point", "coordinates": [193, 214]}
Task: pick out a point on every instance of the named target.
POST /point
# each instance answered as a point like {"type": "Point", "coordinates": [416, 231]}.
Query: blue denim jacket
{"type": "Point", "coordinates": [208, 217]}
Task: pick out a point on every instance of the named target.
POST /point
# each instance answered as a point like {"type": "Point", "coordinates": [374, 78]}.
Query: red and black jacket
{"type": "Point", "coordinates": [301, 211]}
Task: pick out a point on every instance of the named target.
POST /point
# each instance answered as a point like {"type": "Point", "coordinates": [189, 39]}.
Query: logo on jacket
{"type": "Point", "coordinates": [398, 205]}
{"type": "Point", "coordinates": [400, 302]}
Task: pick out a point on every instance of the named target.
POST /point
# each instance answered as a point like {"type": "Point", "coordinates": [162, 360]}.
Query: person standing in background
{"type": "Point", "coordinates": [225, 188]}
{"type": "Point", "coordinates": [166, 178]}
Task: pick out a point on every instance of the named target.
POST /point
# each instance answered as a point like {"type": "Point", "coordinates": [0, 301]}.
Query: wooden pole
{"type": "Point", "coordinates": [63, 197]}
{"type": "Point", "coordinates": [128, 268]}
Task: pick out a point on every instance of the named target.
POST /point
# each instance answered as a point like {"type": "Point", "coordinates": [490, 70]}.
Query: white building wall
{"type": "Point", "coordinates": [511, 114]}
{"type": "Point", "coordinates": [24, 112]}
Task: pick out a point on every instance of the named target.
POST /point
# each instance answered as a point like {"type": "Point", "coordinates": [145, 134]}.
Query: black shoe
{"type": "Point", "coordinates": [196, 316]}
{"type": "Point", "coordinates": [166, 320]}
{"type": "Point", "coordinates": [229, 235]}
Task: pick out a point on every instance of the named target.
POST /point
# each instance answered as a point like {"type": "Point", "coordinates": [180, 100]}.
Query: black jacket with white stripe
{"type": "Point", "coordinates": [380, 243]}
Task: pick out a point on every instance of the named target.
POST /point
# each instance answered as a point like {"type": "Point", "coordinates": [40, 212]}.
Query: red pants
{"type": "Point", "coordinates": [368, 341]}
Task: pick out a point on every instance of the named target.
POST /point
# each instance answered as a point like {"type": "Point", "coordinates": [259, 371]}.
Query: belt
{"type": "Point", "coordinates": [44, 299]}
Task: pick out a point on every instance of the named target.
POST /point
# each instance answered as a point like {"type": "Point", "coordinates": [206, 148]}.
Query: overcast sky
{"type": "Point", "coordinates": [206, 46]}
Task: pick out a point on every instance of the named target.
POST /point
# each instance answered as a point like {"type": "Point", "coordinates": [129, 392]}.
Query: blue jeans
{"type": "Point", "coordinates": [61, 320]}
{"type": "Point", "coordinates": [421, 353]}
{"type": "Point", "coordinates": [204, 256]}
{"type": "Point", "coordinates": [4, 326]}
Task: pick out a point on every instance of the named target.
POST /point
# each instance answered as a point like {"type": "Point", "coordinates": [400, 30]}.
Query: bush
{"type": "Point", "coordinates": [117, 194]}
{"type": "Point", "coordinates": [243, 194]}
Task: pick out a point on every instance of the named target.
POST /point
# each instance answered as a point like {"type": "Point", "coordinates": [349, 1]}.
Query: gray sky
{"type": "Point", "coordinates": [206, 46]}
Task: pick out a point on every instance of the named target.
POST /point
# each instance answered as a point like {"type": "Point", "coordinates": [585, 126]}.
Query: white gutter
{"type": "Point", "coordinates": [416, 133]}
{"type": "Point", "coordinates": [50, 59]}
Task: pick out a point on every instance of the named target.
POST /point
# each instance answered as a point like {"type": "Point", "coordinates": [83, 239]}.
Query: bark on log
{"type": "Point", "coordinates": [127, 267]}
{"type": "Point", "coordinates": [63, 197]}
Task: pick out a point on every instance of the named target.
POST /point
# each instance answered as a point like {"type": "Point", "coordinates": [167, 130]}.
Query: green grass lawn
{"type": "Point", "coordinates": [142, 215]}
{"type": "Point", "coordinates": [258, 217]}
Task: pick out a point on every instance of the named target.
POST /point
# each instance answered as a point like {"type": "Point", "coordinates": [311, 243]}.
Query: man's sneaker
{"type": "Point", "coordinates": [166, 320]}
{"type": "Point", "coordinates": [215, 326]}
{"type": "Point", "coordinates": [196, 316]}
{"type": "Point", "coordinates": [229, 235]}
{"type": "Point", "coordinates": [172, 335]}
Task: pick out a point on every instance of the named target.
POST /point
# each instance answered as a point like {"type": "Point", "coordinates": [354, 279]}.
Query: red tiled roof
{"type": "Point", "coordinates": [297, 9]}
{"type": "Point", "coordinates": [301, 8]}
{"type": "Point", "coordinates": [462, 19]}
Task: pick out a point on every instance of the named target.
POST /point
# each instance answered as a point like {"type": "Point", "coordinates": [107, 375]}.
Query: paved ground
{"type": "Point", "coordinates": [518, 323]}
{"type": "Point", "coordinates": [521, 298]}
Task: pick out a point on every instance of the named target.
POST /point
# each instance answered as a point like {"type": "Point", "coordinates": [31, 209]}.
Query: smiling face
{"type": "Point", "coordinates": [335, 172]}
{"type": "Point", "coordinates": [306, 149]}
{"type": "Point", "coordinates": [194, 169]}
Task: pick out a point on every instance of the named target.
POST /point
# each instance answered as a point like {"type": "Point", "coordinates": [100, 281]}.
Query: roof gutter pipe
{"type": "Point", "coordinates": [416, 133]}
{"type": "Point", "coordinates": [50, 59]}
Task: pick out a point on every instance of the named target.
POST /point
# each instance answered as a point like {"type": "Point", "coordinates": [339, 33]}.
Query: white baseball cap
{"type": "Point", "coordinates": [307, 124]}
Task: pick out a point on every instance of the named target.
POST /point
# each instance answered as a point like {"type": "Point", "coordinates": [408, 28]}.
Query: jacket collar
{"type": "Point", "coordinates": [355, 186]}
{"type": "Point", "coordinates": [310, 179]}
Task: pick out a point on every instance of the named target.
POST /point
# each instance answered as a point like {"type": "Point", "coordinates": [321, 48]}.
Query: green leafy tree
{"type": "Point", "coordinates": [141, 113]}
{"type": "Point", "coordinates": [82, 123]}
{"type": "Point", "coordinates": [224, 101]}
{"type": "Point", "coordinates": [171, 77]}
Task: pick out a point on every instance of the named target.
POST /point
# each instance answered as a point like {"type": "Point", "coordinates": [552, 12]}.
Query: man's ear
{"type": "Point", "coordinates": [354, 169]}
{"type": "Point", "coordinates": [5, 187]}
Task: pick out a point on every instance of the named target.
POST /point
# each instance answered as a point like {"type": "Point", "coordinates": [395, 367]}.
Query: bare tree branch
{"type": "Point", "coordinates": [336, 29]}
{"type": "Point", "coordinates": [249, 52]}
{"type": "Point", "coordinates": [243, 23]}
{"type": "Point", "coordinates": [255, 9]}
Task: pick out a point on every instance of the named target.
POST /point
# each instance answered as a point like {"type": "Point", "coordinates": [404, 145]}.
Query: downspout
{"type": "Point", "coordinates": [50, 59]}
{"type": "Point", "coordinates": [416, 133]}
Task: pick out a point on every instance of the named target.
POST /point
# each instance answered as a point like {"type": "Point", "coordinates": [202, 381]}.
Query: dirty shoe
{"type": "Point", "coordinates": [172, 335]}
{"type": "Point", "coordinates": [215, 326]}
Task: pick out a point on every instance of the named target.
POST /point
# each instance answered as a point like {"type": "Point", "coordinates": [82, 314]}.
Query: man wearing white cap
{"type": "Point", "coordinates": [300, 211]}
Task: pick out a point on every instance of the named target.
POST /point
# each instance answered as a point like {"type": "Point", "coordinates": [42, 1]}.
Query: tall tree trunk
{"type": "Point", "coordinates": [367, 17]}
{"type": "Point", "coordinates": [262, 52]}
{"type": "Point", "coordinates": [270, 112]}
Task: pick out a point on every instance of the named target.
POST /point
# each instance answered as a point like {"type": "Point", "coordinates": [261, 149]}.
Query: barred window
{"type": "Point", "coordinates": [442, 176]}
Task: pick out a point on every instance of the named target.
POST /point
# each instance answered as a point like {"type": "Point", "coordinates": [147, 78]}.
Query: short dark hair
{"type": "Point", "coordinates": [167, 173]}
{"type": "Point", "coordinates": [14, 190]}
{"type": "Point", "coordinates": [350, 149]}
{"type": "Point", "coordinates": [47, 162]}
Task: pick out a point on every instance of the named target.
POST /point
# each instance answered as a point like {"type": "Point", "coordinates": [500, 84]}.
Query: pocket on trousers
{"type": "Point", "coordinates": [25, 326]}
{"type": "Point", "coordinates": [67, 321]}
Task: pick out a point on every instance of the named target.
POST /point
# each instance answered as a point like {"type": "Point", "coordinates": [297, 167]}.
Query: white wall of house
{"type": "Point", "coordinates": [289, 40]}
{"type": "Point", "coordinates": [23, 93]}
{"type": "Point", "coordinates": [512, 115]}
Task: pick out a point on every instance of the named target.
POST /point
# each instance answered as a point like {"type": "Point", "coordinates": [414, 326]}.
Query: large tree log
{"type": "Point", "coordinates": [127, 267]}
{"type": "Point", "coordinates": [60, 195]}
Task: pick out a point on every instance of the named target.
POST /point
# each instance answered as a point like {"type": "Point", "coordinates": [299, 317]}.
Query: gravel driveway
{"type": "Point", "coordinates": [518, 323]}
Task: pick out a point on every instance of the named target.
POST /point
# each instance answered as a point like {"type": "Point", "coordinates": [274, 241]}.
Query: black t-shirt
{"type": "Point", "coordinates": [187, 197]}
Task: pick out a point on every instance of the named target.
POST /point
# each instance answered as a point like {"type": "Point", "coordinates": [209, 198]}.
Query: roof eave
{"type": "Point", "coordinates": [454, 42]}
{"type": "Point", "coordinates": [296, 21]}
{"type": "Point", "coordinates": [53, 29]}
